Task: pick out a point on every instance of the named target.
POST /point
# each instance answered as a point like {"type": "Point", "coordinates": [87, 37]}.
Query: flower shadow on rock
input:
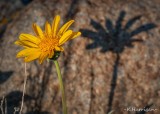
{"type": "Point", "coordinates": [115, 39]}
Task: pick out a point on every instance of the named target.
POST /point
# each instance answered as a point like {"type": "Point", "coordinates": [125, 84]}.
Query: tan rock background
{"type": "Point", "coordinates": [113, 66]}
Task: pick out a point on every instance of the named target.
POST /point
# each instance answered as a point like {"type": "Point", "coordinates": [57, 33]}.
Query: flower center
{"type": "Point", "coordinates": [48, 44]}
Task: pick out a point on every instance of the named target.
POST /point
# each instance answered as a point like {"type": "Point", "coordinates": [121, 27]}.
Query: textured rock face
{"type": "Point", "coordinates": [113, 66]}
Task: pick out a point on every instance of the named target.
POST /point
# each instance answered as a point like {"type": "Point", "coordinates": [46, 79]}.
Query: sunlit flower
{"type": "Point", "coordinates": [43, 45]}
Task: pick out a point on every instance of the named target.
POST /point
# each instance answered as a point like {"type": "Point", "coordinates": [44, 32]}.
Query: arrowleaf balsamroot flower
{"type": "Point", "coordinates": [43, 45]}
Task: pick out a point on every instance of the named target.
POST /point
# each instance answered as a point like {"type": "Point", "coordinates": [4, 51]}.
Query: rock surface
{"type": "Point", "coordinates": [113, 66]}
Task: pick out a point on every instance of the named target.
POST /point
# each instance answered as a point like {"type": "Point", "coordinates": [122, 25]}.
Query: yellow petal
{"type": "Point", "coordinates": [29, 38]}
{"type": "Point", "coordinates": [48, 28]}
{"type": "Point", "coordinates": [42, 57]}
{"type": "Point", "coordinates": [65, 27]}
{"type": "Point", "coordinates": [55, 25]}
{"type": "Point", "coordinates": [35, 29]}
{"type": "Point", "coordinates": [51, 54]}
{"type": "Point", "coordinates": [26, 52]}
{"type": "Point", "coordinates": [26, 44]}
{"type": "Point", "coordinates": [65, 37]}
{"type": "Point", "coordinates": [59, 48]}
{"type": "Point", "coordinates": [20, 44]}
{"type": "Point", "coordinates": [32, 57]}
{"type": "Point", "coordinates": [38, 31]}
{"type": "Point", "coordinates": [75, 34]}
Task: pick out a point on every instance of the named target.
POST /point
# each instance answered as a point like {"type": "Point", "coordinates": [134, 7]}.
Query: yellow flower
{"type": "Point", "coordinates": [44, 44]}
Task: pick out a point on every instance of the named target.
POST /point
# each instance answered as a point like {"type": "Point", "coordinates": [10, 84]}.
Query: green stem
{"type": "Point", "coordinates": [61, 87]}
